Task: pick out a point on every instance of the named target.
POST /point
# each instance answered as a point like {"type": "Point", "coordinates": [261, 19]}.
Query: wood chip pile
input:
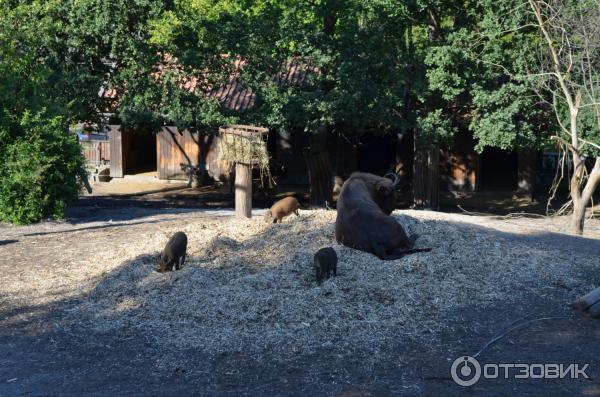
{"type": "Point", "coordinates": [249, 286]}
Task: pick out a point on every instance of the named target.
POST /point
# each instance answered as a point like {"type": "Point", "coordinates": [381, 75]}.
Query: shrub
{"type": "Point", "coordinates": [40, 169]}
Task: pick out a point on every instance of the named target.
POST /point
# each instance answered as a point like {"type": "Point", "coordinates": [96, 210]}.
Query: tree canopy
{"type": "Point", "coordinates": [430, 67]}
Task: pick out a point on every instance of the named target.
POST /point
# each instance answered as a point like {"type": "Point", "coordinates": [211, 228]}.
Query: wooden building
{"type": "Point", "coordinates": [461, 169]}
{"type": "Point", "coordinates": [163, 151]}
{"type": "Point", "coordinates": [96, 152]}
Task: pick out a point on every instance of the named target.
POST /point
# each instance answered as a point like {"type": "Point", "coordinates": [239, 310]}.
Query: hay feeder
{"type": "Point", "coordinates": [246, 146]}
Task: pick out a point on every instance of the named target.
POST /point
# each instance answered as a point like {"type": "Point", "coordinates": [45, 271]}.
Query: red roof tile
{"type": "Point", "coordinates": [233, 95]}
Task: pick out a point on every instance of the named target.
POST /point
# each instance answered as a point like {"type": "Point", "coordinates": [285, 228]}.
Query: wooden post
{"type": "Point", "coordinates": [243, 190]}
{"type": "Point", "coordinates": [239, 143]}
{"type": "Point", "coordinates": [433, 178]}
{"type": "Point", "coordinates": [320, 176]}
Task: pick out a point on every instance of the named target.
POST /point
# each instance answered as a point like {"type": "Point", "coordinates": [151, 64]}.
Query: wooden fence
{"type": "Point", "coordinates": [96, 152]}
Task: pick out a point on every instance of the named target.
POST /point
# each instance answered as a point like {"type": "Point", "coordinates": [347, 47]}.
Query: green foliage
{"type": "Point", "coordinates": [41, 63]}
{"type": "Point", "coordinates": [45, 82]}
{"type": "Point", "coordinates": [506, 117]}
{"type": "Point", "coordinates": [428, 66]}
{"type": "Point", "coordinates": [435, 128]}
{"type": "Point", "coordinates": [472, 77]}
{"type": "Point", "coordinates": [431, 67]}
{"type": "Point", "coordinates": [41, 169]}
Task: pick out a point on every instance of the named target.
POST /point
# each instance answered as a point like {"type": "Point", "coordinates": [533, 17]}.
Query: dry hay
{"type": "Point", "coordinates": [249, 286]}
{"type": "Point", "coordinates": [244, 144]}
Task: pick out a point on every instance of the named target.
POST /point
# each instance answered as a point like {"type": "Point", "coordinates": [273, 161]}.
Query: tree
{"type": "Point", "coordinates": [470, 59]}
{"type": "Point", "coordinates": [568, 72]}
{"type": "Point", "coordinates": [356, 82]}
{"type": "Point", "coordinates": [42, 168]}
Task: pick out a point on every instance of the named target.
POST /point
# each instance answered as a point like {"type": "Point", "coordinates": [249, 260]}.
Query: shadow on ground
{"type": "Point", "coordinates": [42, 354]}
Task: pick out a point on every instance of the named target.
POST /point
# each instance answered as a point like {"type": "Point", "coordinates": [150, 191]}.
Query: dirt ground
{"type": "Point", "coordinates": [65, 331]}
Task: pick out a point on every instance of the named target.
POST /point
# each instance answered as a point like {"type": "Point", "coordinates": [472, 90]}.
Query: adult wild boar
{"type": "Point", "coordinates": [363, 220]}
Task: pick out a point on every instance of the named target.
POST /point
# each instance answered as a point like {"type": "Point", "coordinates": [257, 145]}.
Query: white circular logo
{"type": "Point", "coordinates": [465, 371]}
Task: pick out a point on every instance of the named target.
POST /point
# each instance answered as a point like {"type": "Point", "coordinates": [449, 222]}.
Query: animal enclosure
{"type": "Point", "coordinates": [256, 283]}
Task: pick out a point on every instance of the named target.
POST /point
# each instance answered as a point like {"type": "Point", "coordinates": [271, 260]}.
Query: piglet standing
{"type": "Point", "coordinates": [173, 256]}
{"type": "Point", "coordinates": [325, 263]}
{"type": "Point", "coordinates": [282, 208]}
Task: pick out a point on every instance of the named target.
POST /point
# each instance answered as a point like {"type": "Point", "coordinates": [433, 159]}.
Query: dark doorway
{"type": "Point", "coordinates": [289, 155]}
{"type": "Point", "coordinates": [139, 151]}
{"type": "Point", "coordinates": [375, 153]}
{"type": "Point", "coordinates": [498, 170]}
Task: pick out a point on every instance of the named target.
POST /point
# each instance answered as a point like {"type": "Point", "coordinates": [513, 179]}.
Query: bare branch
{"type": "Point", "coordinates": [555, 108]}
{"type": "Point", "coordinates": [535, 5]}
{"type": "Point", "coordinates": [565, 143]}
{"type": "Point", "coordinates": [590, 143]}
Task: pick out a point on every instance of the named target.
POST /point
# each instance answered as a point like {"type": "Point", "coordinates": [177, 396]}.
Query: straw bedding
{"type": "Point", "coordinates": [250, 286]}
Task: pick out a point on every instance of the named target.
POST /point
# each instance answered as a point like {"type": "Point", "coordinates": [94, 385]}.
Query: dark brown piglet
{"type": "Point", "coordinates": [173, 256]}
{"type": "Point", "coordinates": [325, 263]}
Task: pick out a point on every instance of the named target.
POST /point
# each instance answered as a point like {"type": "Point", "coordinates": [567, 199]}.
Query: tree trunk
{"type": "Point", "coordinates": [527, 169]}
{"type": "Point", "coordinates": [404, 161]}
{"type": "Point", "coordinates": [419, 178]}
{"type": "Point", "coordinates": [243, 190]}
{"type": "Point", "coordinates": [580, 197]}
{"type": "Point", "coordinates": [320, 175]}
{"type": "Point", "coordinates": [433, 178]}
{"type": "Point", "coordinates": [204, 142]}
{"type": "Point", "coordinates": [578, 217]}
{"type": "Point", "coordinates": [195, 181]}
{"type": "Point", "coordinates": [426, 177]}
{"type": "Point", "coordinates": [320, 178]}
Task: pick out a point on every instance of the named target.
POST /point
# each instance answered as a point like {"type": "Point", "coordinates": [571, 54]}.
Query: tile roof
{"type": "Point", "coordinates": [233, 95]}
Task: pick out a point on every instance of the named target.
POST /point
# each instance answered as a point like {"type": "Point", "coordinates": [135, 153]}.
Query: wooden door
{"type": "Point", "coordinates": [116, 151]}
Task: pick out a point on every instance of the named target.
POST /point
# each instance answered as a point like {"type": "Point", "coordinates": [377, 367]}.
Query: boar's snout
{"type": "Point", "coordinates": [268, 216]}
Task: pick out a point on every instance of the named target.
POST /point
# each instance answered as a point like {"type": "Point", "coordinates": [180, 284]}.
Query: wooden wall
{"type": "Point", "coordinates": [289, 145]}
{"type": "Point", "coordinates": [175, 147]}
{"type": "Point", "coordinates": [96, 152]}
{"type": "Point", "coordinates": [460, 166]}
{"type": "Point", "coordinates": [459, 171]}
{"type": "Point", "coordinates": [217, 169]}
